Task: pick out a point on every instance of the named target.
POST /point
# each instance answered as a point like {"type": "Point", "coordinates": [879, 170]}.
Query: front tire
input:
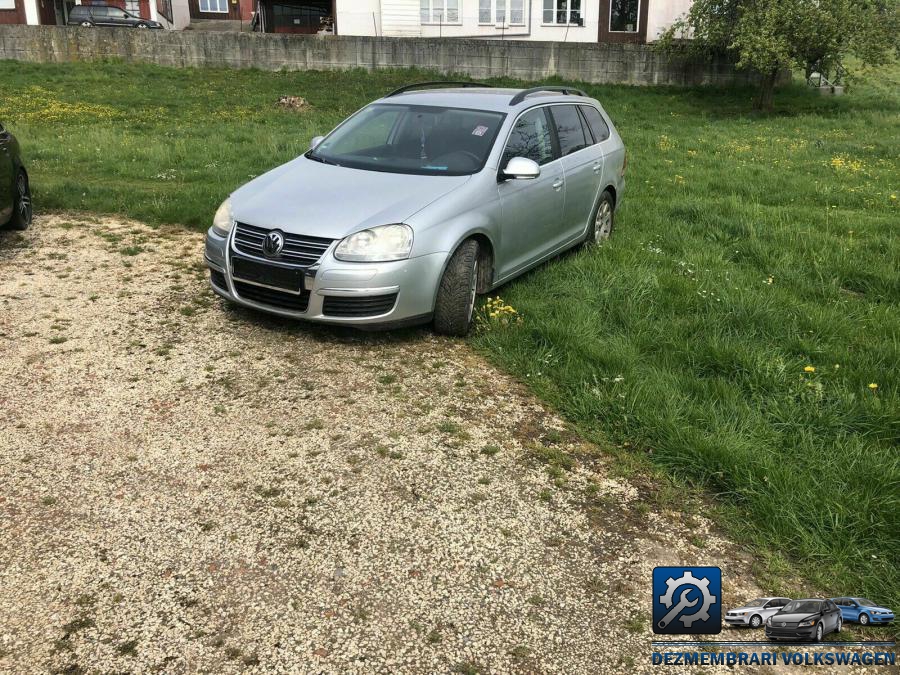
{"type": "Point", "coordinates": [455, 303]}
{"type": "Point", "coordinates": [840, 624]}
{"type": "Point", "coordinates": [755, 621]}
{"type": "Point", "coordinates": [864, 619]}
{"type": "Point", "coordinates": [86, 24]}
{"type": "Point", "coordinates": [820, 632]}
{"type": "Point", "coordinates": [142, 25]}
{"type": "Point", "coordinates": [23, 211]}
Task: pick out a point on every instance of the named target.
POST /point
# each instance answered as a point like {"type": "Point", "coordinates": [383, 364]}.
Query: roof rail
{"type": "Point", "coordinates": [518, 98]}
{"type": "Point", "coordinates": [437, 83]}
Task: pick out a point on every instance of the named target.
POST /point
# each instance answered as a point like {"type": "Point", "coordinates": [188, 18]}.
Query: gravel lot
{"type": "Point", "coordinates": [186, 486]}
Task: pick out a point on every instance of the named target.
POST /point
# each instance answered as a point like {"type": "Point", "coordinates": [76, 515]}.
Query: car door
{"type": "Point", "coordinates": [6, 175]}
{"type": "Point", "coordinates": [531, 210]}
{"type": "Point", "coordinates": [832, 614]}
{"type": "Point", "coordinates": [581, 168]}
{"type": "Point", "coordinates": [772, 607]}
{"type": "Point", "coordinates": [118, 17]}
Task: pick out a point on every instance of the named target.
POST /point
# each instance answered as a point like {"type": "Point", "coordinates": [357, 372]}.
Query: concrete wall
{"type": "Point", "coordinates": [606, 63]}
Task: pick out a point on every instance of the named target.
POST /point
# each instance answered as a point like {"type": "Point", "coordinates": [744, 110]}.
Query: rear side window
{"type": "Point", "coordinates": [569, 129]}
{"type": "Point", "coordinates": [530, 138]}
{"type": "Point", "coordinates": [78, 11]}
{"type": "Point", "coordinates": [595, 120]}
{"type": "Point", "coordinates": [101, 12]}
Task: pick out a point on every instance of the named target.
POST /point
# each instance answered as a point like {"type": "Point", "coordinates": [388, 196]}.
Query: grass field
{"type": "Point", "coordinates": [741, 332]}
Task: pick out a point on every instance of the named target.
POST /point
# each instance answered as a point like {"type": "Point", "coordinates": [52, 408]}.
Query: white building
{"type": "Point", "coordinates": [550, 20]}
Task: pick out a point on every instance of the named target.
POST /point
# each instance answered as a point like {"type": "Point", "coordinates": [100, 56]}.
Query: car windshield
{"type": "Point", "coordinates": [865, 602]}
{"type": "Point", "coordinates": [423, 140]}
{"type": "Point", "coordinates": [802, 606]}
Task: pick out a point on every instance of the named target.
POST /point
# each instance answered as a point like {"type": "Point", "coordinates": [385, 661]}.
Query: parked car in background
{"type": "Point", "coordinates": [103, 15]}
{"type": "Point", "coordinates": [863, 611]}
{"type": "Point", "coordinates": [419, 202]}
{"type": "Point", "coordinates": [15, 191]}
{"type": "Point", "coordinates": [755, 612]}
{"type": "Point", "coordinates": [810, 619]}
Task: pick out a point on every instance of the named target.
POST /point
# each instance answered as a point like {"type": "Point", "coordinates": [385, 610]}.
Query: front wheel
{"type": "Point", "coordinates": [819, 633]}
{"type": "Point", "coordinates": [755, 621]}
{"type": "Point", "coordinates": [840, 624]}
{"type": "Point", "coordinates": [23, 211]}
{"type": "Point", "coordinates": [456, 294]}
{"type": "Point", "coordinates": [864, 619]}
{"type": "Point", "coordinates": [142, 25]}
{"type": "Point", "coordinates": [86, 24]}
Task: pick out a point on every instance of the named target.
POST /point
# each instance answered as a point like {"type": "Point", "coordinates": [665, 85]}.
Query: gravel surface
{"type": "Point", "coordinates": [186, 486]}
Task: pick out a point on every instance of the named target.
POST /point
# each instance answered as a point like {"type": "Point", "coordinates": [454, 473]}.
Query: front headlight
{"type": "Point", "coordinates": [223, 221]}
{"type": "Point", "coordinates": [377, 244]}
{"type": "Point", "coordinates": [742, 613]}
{"type": "Point", "coordinates": [807, 623]}
{"type": "Point", "coordinates": [769, 621]}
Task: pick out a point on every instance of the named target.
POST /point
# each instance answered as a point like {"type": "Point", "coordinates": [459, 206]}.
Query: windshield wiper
{"type": "Point", "coordinates": [316, 158]}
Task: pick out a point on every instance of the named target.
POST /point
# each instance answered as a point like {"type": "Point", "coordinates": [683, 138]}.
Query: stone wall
{"type": "Point", "coordinates": [597, 63]}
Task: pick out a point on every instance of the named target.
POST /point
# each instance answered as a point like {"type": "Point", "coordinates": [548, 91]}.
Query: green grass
{"type": "Point", "coordinates": [748, 247]}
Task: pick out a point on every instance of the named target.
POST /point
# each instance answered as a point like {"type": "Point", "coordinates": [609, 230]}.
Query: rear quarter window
{"type": "Point", "coordinates": [569, 130]}
{"type": "Point", "coordinates": [599, 127]}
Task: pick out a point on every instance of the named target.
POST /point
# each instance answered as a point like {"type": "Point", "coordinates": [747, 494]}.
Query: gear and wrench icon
{"type": "Point", "coordinates": [701, 584]}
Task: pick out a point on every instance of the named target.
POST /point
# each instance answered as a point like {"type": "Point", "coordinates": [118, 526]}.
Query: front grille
{"type": "Point", "coordinates": [370, 305]}
{"type": "Point", "coordinates": [271, 297]}
{"type": "Point", "coordinates": [298, 250]}
{"type": "Point", "coordinates": [218, 279]}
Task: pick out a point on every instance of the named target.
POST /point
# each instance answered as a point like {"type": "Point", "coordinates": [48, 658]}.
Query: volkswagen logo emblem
{"type": "Point", "coordinates": [273, 243]}
{"type": "Point", "coordinates": [783, 624]}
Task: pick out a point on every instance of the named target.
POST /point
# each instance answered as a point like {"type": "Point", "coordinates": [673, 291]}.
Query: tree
{"type": "Point", "coordinates": [767, 36]}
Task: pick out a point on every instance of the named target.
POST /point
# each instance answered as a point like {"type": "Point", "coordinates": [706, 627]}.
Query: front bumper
{"type": "Point", "coordinates": [738, 620]}
{"type": "Point", "coordinates": [880, 618]}
{"type": "Point", "coordinates": [788, 633]}
{"type": "Point", "coordinates": [366, 295]}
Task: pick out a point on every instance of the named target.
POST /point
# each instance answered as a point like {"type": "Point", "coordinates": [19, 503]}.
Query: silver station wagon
{"type": "Point", "coordinates": [419, 202]}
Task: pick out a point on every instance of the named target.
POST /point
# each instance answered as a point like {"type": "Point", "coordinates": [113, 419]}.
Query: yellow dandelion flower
{"type": "Point", "coordinates": [809, 369]}
{"type": "Point", "coordinates": [873, 386]}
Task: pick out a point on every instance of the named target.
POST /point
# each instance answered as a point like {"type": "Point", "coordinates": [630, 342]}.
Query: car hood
{"type": "Point", "coordinates": [322, 200]}
{"type": "Point", "coordinates": [793, 618]}
{"type": "Point", "coordinates": [877, 609]}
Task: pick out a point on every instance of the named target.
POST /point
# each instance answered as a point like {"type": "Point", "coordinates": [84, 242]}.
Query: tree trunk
{"type": "Point", "coordinates": [766, 92]}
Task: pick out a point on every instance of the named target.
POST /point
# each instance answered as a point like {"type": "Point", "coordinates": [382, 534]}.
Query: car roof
{"type": "Point", "coordinates": [480, 98]}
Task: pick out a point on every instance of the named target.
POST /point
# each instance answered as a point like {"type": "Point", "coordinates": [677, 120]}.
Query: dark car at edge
{"type": "Point", "coordinates": [810, 619]}
{"type": "Point", "coordinates": [15, 190]}
{"type": "Point", "coordinates": [107, 16]}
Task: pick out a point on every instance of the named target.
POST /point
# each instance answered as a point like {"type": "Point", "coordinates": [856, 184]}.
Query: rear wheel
{"type": "Point", "coordinates": [602, 221]}
{"type": "Point", "coordinates": [22, 209]}
{"type": "Point", "coordinates": [456, 295]}
{"type": "Point", "coordinates": [142, 25]}
{"type": "Point", "coordinates": [86, 24]}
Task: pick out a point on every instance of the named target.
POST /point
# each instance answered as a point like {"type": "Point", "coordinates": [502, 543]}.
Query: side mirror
{"type": "Point", "coordinates": [314, 143]}
{"type": "Point", "coordinates": [522, 168]}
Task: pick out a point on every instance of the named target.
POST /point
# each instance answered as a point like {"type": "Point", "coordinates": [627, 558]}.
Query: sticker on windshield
{"type": "Point", "coordinates": [480, 130]}
{"type": "Point", "coordinates": [435, 168]}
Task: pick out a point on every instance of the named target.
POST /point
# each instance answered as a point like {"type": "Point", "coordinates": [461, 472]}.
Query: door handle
{"type": "Point", "coordinates": [557, 185]}
{"type": "Point", "coordinates": [598, 167]}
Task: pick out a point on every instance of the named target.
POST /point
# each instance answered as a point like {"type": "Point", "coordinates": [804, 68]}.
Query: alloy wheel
{"type": "Point", "coordinates": [25, 208]}
{"type": "Point", "coordinates": [819, 633]}
{"type": "Point", "coordinates": [755, 621]}
{"type": "Point", "coordinates": [603, 222]}
{"type": "Point", "coordinates": [864, 619]}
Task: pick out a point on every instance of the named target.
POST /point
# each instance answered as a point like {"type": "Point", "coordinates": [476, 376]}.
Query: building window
{"type": "Point", "coordinates": [220, 6]}
{"type": "Point", "coordinates": [133, 7]}
{"type": "Point", "coordinates": [7, 4]}
{"type": "Point", "coordinates": [164, 8]}
{"type": "Point", "coordinates": [439, 11]}
{"type": "Point", "coordinates": [623, 16]}
{"type": "Point", "coordinates": [563, 11]}
{"type": "Point", "coordinates": [501, 12]}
